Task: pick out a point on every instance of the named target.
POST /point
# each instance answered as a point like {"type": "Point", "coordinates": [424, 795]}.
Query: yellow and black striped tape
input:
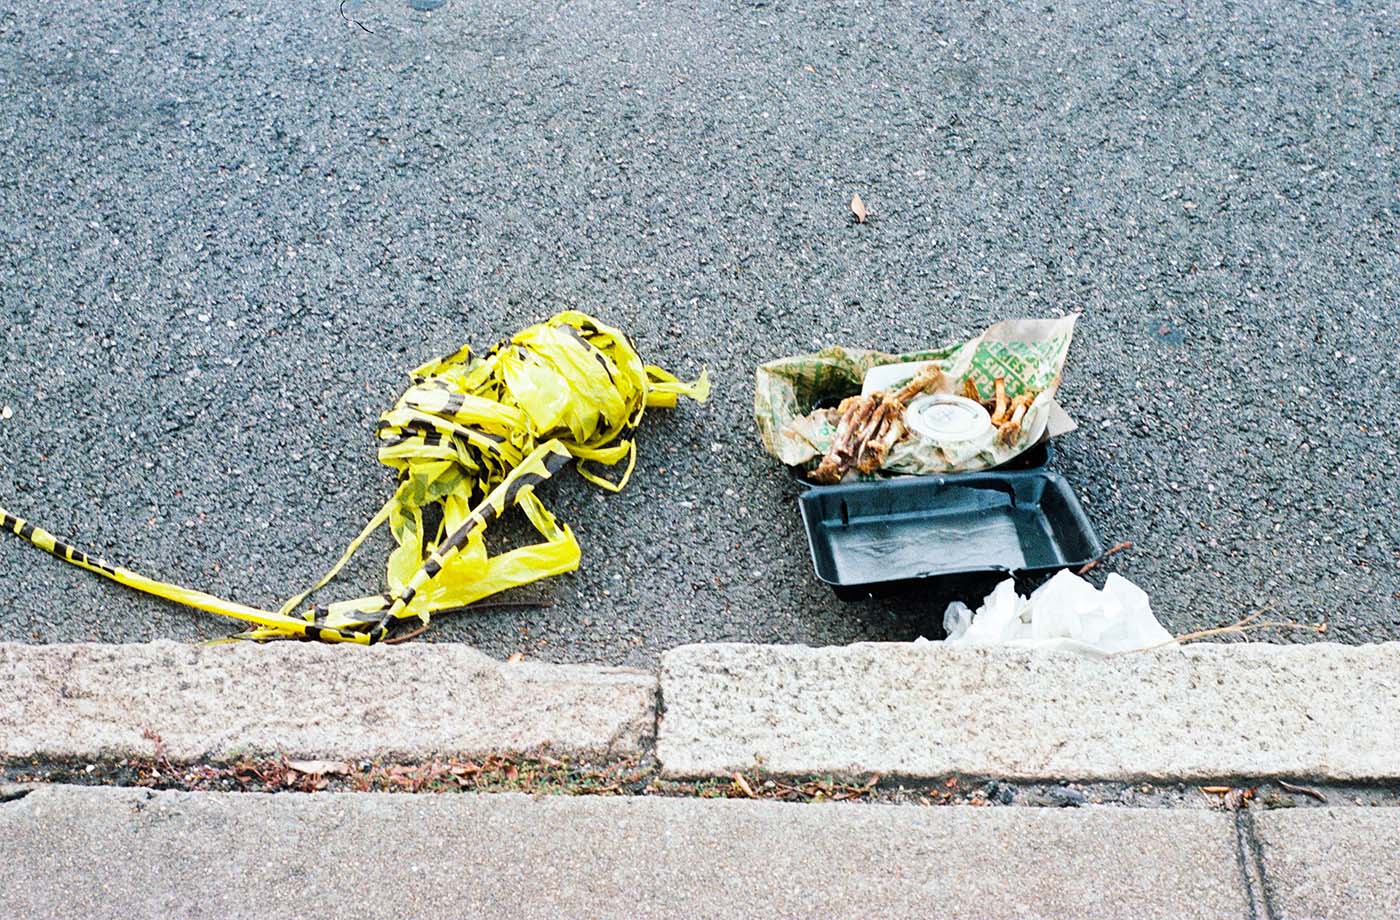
{"type": "Point", "coordinates": [472, 437]}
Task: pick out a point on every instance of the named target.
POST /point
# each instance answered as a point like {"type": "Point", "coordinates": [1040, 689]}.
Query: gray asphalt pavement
{"type": "Point", "coordinates": [226, 233]}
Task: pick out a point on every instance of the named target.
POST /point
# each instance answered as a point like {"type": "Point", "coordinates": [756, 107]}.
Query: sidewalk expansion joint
{"type": "Point", "coordinates": [658, 711]}
{"type": "Point", "coordinates": [13, 793]}
{"type": "Point", "coordinates": [1249, 851]}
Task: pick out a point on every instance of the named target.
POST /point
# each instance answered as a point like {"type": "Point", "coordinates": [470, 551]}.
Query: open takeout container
{"type": "Point", "coordinates": [886, 536]}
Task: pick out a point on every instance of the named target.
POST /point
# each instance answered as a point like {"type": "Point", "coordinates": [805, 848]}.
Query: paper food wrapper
{"type": "Point", "coordinates": [1029, 353]}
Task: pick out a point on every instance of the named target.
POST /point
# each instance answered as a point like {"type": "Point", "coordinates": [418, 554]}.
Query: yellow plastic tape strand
{"type": "Point", "coordinates": [373, 525]}
{"type": "Point", "coordinates": [470, 438]}
{"type": "Point", "coordinates": [520, 484]}
{"type": "Point", "coordinates": [458, 572]}
{"type": "Point", "coordinates": [190, 598]}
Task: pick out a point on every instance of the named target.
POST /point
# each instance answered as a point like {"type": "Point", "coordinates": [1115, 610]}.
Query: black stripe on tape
{"type": "Point", "coordinates": [458, 538]}
{"type": "Point", "coordinates": [529, 479]}
{"type": "Point", "coordinates": [557, 460]}
{"type": "Point", "coordinates": [592, 349]}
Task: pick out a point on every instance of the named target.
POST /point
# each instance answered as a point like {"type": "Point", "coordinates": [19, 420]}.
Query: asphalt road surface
{"type": "Point", "coordinates": [227, 231]}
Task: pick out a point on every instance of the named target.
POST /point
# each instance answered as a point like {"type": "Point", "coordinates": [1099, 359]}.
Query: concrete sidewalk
{"type": "Point", "coordinates": [70, 851]}
{"type": "Point", "coordinates": [99, 852]}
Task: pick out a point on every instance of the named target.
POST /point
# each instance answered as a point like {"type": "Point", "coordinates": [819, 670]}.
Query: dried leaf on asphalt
{"type": "Point", "coordinates": [320, 767]}
{"type": "Point", "coordinates": [744, 786]}
{"type": "Point", "coordinates": [858, 209]}
{"type": "Point", "coordinates": [516, 658]}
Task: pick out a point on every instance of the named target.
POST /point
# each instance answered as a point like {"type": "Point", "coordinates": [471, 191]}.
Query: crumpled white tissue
{"type": "Point", "coordinates": [1065, 613]}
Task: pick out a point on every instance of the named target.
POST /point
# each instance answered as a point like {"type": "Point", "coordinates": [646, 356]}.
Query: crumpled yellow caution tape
{"type": "Point", "coordinates": [471, 438]}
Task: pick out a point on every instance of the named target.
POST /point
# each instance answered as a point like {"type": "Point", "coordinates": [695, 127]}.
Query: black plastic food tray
{"type": "Point", "coordinates": [895, 533]}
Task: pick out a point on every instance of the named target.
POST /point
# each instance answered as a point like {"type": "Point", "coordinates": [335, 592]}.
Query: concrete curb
{"type": "Point", "coordinates": [1323, 711]}
{"type": "Point", "coordinates": [309, 700]}
{"type": "Point", "coordinates": [1327, 713]}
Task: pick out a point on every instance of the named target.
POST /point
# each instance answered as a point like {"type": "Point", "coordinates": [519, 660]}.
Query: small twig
{"type": "Point", "coordinates": [1115, 548]}
{"type": "Point", "coordinates": [1301, 790]}
{"type": "Point", "coordinates": [1255, 614]}
{"type": "Point", "coordinates": [1242, 625]}
{"type": "Point", "coordinates": [397, 640]}
{"type": "Point", "coordinates": [1245, 625]}
{"type": "Point", "coordinates": [1221, 631]}
{"type": "Point", "coordinates": [1237, 628]}
{"type": "Point", "coordinates": [353, 21]}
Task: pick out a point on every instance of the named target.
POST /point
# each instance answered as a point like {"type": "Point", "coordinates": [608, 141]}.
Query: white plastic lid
{"type": "Point", "coordinates": [944, 418]}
